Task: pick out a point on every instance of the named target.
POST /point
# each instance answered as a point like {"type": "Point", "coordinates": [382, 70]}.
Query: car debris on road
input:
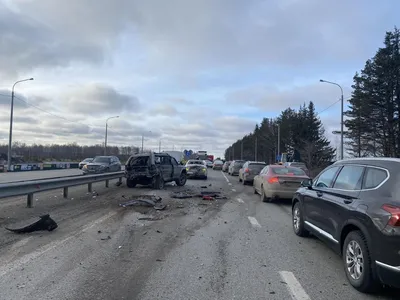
{"type": "Point", "coordinates": [44, 223]}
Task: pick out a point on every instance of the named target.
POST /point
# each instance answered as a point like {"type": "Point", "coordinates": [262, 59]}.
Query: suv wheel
{"type": "Point", "coordinates": [298, 220]}
{"type": "Point", "coordinates": [182, 179]}
{"type": "Point", "coordinates": [357, 262]}
{"type": "Point", "coordinates": [158, 182]}
{"type": "Point", "coordinates": [130, 183]}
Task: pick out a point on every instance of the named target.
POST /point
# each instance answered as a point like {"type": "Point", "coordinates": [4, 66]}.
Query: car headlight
{"type": "Point", "coordinates": [85, 166]}
{"type": "Point", "coordinates": [204, 169]}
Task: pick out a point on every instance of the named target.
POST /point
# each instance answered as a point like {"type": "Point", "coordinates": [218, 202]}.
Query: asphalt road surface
{"type": "Point", "coordinates": [239, 248]}
{"type": "Point", "coordinates": [32, 175]}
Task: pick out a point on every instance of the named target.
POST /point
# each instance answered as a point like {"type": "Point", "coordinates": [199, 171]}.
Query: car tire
{"type": "Point", "coordinates": [365, 281]}
{"type": "Point", "coordinates": [254, 190]}
{"type": "Point", "coordinates": [263, 197]}
{"type": "Point", "coordinates": [158, 182]}
{"type": "Point", "coordinates": [130, 183]}
{"type": "Point", "coordinates": [182, 179]}
{"type": "Point", "coordinates": [298, 221]}
{"type": "Point", "coordinates": [240, 180]}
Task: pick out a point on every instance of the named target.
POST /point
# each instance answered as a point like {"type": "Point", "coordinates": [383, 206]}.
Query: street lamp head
{"type": "Point", "coordinates": [321, 80]}
{"type": "Point", "coordinates": [31, 78]}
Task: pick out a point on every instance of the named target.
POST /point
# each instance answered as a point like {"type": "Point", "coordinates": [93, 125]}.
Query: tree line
{"type": "Point", "coordinates": [373, 127]}
{"type": "Point", "coordinates": [67, 152]}
{"type": "Point", "coordinates": [372, 119]}
{"type": "Point", "coordinates": [300, 132]}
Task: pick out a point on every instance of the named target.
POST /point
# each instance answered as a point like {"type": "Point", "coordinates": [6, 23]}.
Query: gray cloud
{"type": "Point", "coordinates": [188, 34]}
{"type": "Point", "coordinates": [164, 110]}
{"type": "Point", "coordinates": [98, 99]}
{"type": "Point", "coordinates": [181, 101]}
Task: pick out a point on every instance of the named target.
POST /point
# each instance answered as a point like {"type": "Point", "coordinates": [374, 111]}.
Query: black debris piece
{"type": "Point", "coordinates": [203, 187]}
{"type": "Point", "coordinates": [149, 219]}
{"type": "Point", "coordinates": [44, 223]}
{"type": "Point", "coordinates": [181, 195]}
{"type": "Point", "coordinates": [141, 200]}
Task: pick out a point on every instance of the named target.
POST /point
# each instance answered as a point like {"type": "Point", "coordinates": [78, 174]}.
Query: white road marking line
{"type": "Point", "coordinates": [240, 200]}
{"type": "Point", "coordinates": [233, 190]}
{"type": "Point", "coordinates": [229, 183]}
{"type": "Point", "coordinates": [42, 250]}
{"type": "Point", "coordinates": [254, 222]}
{"type": "Point", "coordinates": [294, 287]}
{"type": "Point", "coordinates": [226, 178]}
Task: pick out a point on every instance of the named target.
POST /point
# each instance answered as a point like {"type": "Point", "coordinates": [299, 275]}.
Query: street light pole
{"type": "Point", "coordinates": [143, 140]}
{"type": "Point", "coordinates": [11, 123]}
{"type": "Point", "coordinates": [241, 151]}
{"type": "Point", "coordinates": [105, 142]}
{"type": "Point", "coordinates": [341, 117]}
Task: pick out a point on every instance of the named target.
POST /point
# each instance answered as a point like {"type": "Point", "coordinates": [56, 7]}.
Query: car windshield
{"type": "Point", "coordinates": [288, 171]}
{"type": "Point", "coordinates": [238, 163]}
{"type": "Point", "coordinates": [101, 159]}
{"type": "Point", "coordinates": [195, 162]}
{"type": "Point", "coordinates": [139, 161]}
{"type": "Point", "coordinates": [88, 159]}
{"type": "Point", "coordinates": [218, 162]}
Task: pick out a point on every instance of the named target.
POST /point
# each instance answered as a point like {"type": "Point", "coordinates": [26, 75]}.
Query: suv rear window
{"type": "Point", "coordinates": [285, 171]}
{"type": "Point", "coordinates": [374, 177]}
{"type": "Point", "coordinates": [139, 161]}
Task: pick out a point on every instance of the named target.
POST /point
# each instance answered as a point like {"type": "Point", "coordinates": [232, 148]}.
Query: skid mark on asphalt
{"type": "Point", "coordinates": [294, 287]}
{"type": "Point", "coordinates": [240, 200]}
{"type": "Point", "coordinates": [254, 222]}
{"type": "Point", "coordinates": [42, 250]}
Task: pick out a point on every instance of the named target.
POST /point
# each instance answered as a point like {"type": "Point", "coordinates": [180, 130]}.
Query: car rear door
{"type": "Point", "coordinates": [166, 167]}
{"type": "Point", "coordinates": [176, 168]}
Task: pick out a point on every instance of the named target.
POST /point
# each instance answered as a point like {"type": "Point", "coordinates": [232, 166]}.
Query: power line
{"type": "Point", "coordinates": [325, 109]}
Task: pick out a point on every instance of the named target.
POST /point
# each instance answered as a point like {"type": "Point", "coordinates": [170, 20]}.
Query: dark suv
{"type": "Point", "coordinates": [354, 206]}
{"type": "Point", "coordinates": [155, 169]}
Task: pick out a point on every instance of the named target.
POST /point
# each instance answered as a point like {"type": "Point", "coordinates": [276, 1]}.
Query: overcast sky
{"type": "Point", "coordinates": [198, 74]}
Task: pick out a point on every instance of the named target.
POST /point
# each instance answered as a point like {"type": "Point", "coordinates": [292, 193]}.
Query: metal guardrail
{"type": "Point", "coordinates": [30, 187]}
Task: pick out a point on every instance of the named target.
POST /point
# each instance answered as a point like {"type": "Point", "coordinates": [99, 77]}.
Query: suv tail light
{"type": "Point", "coordinates": [273, 180]}
{"type": "Point", "coordinates": [395, 214]}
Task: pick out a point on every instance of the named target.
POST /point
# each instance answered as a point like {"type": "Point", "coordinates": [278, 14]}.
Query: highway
{"type": "Point", "coordinates": [239, 248]}
{"type": "Point", "coordinates": [32, 175]}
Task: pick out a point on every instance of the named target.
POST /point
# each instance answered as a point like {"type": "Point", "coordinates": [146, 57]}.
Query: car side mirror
{"type": "Point", "coordinates": [307, 183]}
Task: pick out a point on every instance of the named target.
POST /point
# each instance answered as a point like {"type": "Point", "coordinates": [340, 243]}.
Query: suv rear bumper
{"type": "Point", "coordinates": [389, 275]}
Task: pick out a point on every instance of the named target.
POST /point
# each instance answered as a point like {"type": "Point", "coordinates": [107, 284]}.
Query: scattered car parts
{"type": "Point", "coordinates": [44, 223]}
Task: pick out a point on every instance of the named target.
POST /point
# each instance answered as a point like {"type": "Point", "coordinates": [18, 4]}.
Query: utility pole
{"type": "Point", "coordinates": [255, 150]}
{"type": "Point", "coordinates": [159, 146]}
{"type": "Point", "coordinates": [233, 152]}
{"type": "Point", "coordinates": [241, 151]}
{"type": "Point", "coordinates": [142, 142]}
{"type": "Point", "coordinates": [105, 141]}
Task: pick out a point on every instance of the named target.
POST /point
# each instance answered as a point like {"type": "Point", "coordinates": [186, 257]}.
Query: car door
{"type": "Point", "coordinates": [242, 169]}
{"type": "Point", "coordinates": [176, 168]}
{"type": "Point", "coordinates": [259, 178]}
{"type": "Point", "coordinates": [341, 199]}
{"type": "Point", "coordinates": [167, 168]}
{"type": "Point", "coordinates": [313, 215]}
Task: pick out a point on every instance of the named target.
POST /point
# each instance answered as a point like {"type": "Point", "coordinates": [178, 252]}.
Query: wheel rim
{"type": "Point", "coordinates": [296, 219]}
{"type": "Point", "coordinates": [182, 179]}
{"type": "Point", "coordinates": [354, 260]}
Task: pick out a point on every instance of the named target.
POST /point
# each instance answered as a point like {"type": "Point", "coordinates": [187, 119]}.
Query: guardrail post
{"type": "Point", "coordinates": [107, 182]}
{"type": "Point", "coordinates": [65, 192]}
{"type": "Point", "coordinates": [29, 202]}
{"type": "Point", "coordinates": [89, 187]}
{"type": "Point", "coordinates": [120, 180]}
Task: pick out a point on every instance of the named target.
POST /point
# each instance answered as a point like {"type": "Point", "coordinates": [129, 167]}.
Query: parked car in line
{"type": "Point", "coordinates": [217, 164]}
{"type": "Point", "coordinates": [225, 166]}
{"type": "Point", "coordinates": [85, 162]}
{"type": "Point", "coordinates": [196, 169]}
{"type": "Point", "coordinates": [278, 181]}
{"type": "Point", "coordinates": [300, 165]}
{"type": "Point", "coordinates": [154, 169]}
{"type": "Point", "coordinates": [235, 166]}
{"type": "Point", "coordinates": [249, 170]}
{"type": "Point", "coordinates": [354, 206]}
{"type": "Point", "coordinates": [209, 163]}
{"type": "Point", "coordinates": [102, 164]}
